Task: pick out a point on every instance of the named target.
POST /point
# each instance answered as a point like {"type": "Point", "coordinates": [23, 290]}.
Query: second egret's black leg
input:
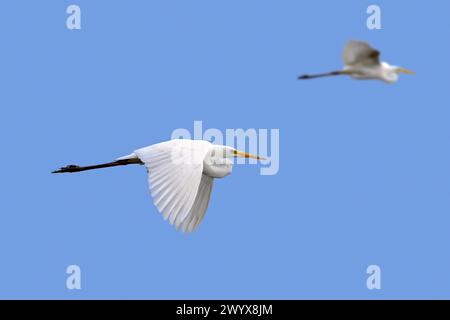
{"type": "Point", "coordinates": [321, 75]}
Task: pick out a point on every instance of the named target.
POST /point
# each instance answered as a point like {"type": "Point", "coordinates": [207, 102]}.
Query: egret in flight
{"type": "Point", "coordinates": [362, 62]}
{"type": "Point", "coordinates": [180, 176]}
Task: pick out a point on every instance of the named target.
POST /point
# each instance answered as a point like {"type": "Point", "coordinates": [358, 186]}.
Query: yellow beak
{"type": "Point", "coordinates": [247, 155]}
{"type": "Point", "coordinates": [406, 71]}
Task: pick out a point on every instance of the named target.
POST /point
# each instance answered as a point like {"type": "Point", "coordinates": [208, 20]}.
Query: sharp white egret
{"type": "Point", "coordinates": [180, 176]}
{"type": "Point", "coordinates": [362, 62]}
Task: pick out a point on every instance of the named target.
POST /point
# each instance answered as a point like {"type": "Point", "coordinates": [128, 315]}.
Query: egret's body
{"type": "Point", "coordinates": [362, 62]}
{"type": "Point", "coordinates": [180, 176]}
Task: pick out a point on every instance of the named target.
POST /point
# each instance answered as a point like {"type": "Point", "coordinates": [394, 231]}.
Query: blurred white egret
{"type": "Point", "coordinates": [180, 176]}
{"type": "Point", "coordinates": [362, 62]}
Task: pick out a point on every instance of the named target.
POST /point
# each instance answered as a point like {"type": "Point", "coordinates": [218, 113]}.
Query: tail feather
{"type": "Point", "coordinates": [74, 168]}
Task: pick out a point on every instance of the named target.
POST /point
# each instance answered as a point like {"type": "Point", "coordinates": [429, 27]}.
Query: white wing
{"type": "Point", "coordinates": [360, 53]}
{"type": "Point", "coordinates": [198, 210]}
{"type": "Point", "coordinates": [174, 174]}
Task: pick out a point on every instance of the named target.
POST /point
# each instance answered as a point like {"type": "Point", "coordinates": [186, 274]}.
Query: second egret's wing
{"type": "Point", "coordinates": [360, 53]}
{"type": "Point", "coordinates": [174, 174]}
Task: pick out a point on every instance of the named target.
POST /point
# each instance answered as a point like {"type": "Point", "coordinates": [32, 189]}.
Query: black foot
{"type": "Point", "coordinates": [69, 168]}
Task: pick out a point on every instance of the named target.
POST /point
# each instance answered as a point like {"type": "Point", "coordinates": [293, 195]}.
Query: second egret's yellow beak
{"type": "Point", "coordinates": [238, 153]}
{"type": "Point", "coordinates": [406, 71]}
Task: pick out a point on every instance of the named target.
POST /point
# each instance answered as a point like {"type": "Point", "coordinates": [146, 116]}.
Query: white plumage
{"type": "Point", "coordinates": [362, 62]}
{"type": "Point", "coordinates": [175, 176]}
{"type": "Point", "coordinates": [180, 176]}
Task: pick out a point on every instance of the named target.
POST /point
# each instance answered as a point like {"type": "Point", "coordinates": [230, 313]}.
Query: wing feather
{"type": "Point", "coordinates": [360, 53]}
{"type": "Point", "coordinates": [195, 216]}
{"type": "Point", "coordinates": [175, 177]}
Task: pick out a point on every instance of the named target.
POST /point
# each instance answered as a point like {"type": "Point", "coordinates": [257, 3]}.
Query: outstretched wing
{"type": "Point", "coordinates": [360, 53]}
{"type": "Point", "coordinates": [198, 210]}
{"type": "Point", "coordinates": [175, 174]}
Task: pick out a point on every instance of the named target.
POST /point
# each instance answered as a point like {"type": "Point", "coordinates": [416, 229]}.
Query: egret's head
{"type": "Point", "coordinates": [229, 152]}
{"type": "Point", "coordinates": [391, 74]}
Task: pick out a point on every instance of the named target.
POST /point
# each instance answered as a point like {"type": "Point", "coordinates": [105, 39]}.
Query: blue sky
{"type": "Point", "coordinates": [364, 167]}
